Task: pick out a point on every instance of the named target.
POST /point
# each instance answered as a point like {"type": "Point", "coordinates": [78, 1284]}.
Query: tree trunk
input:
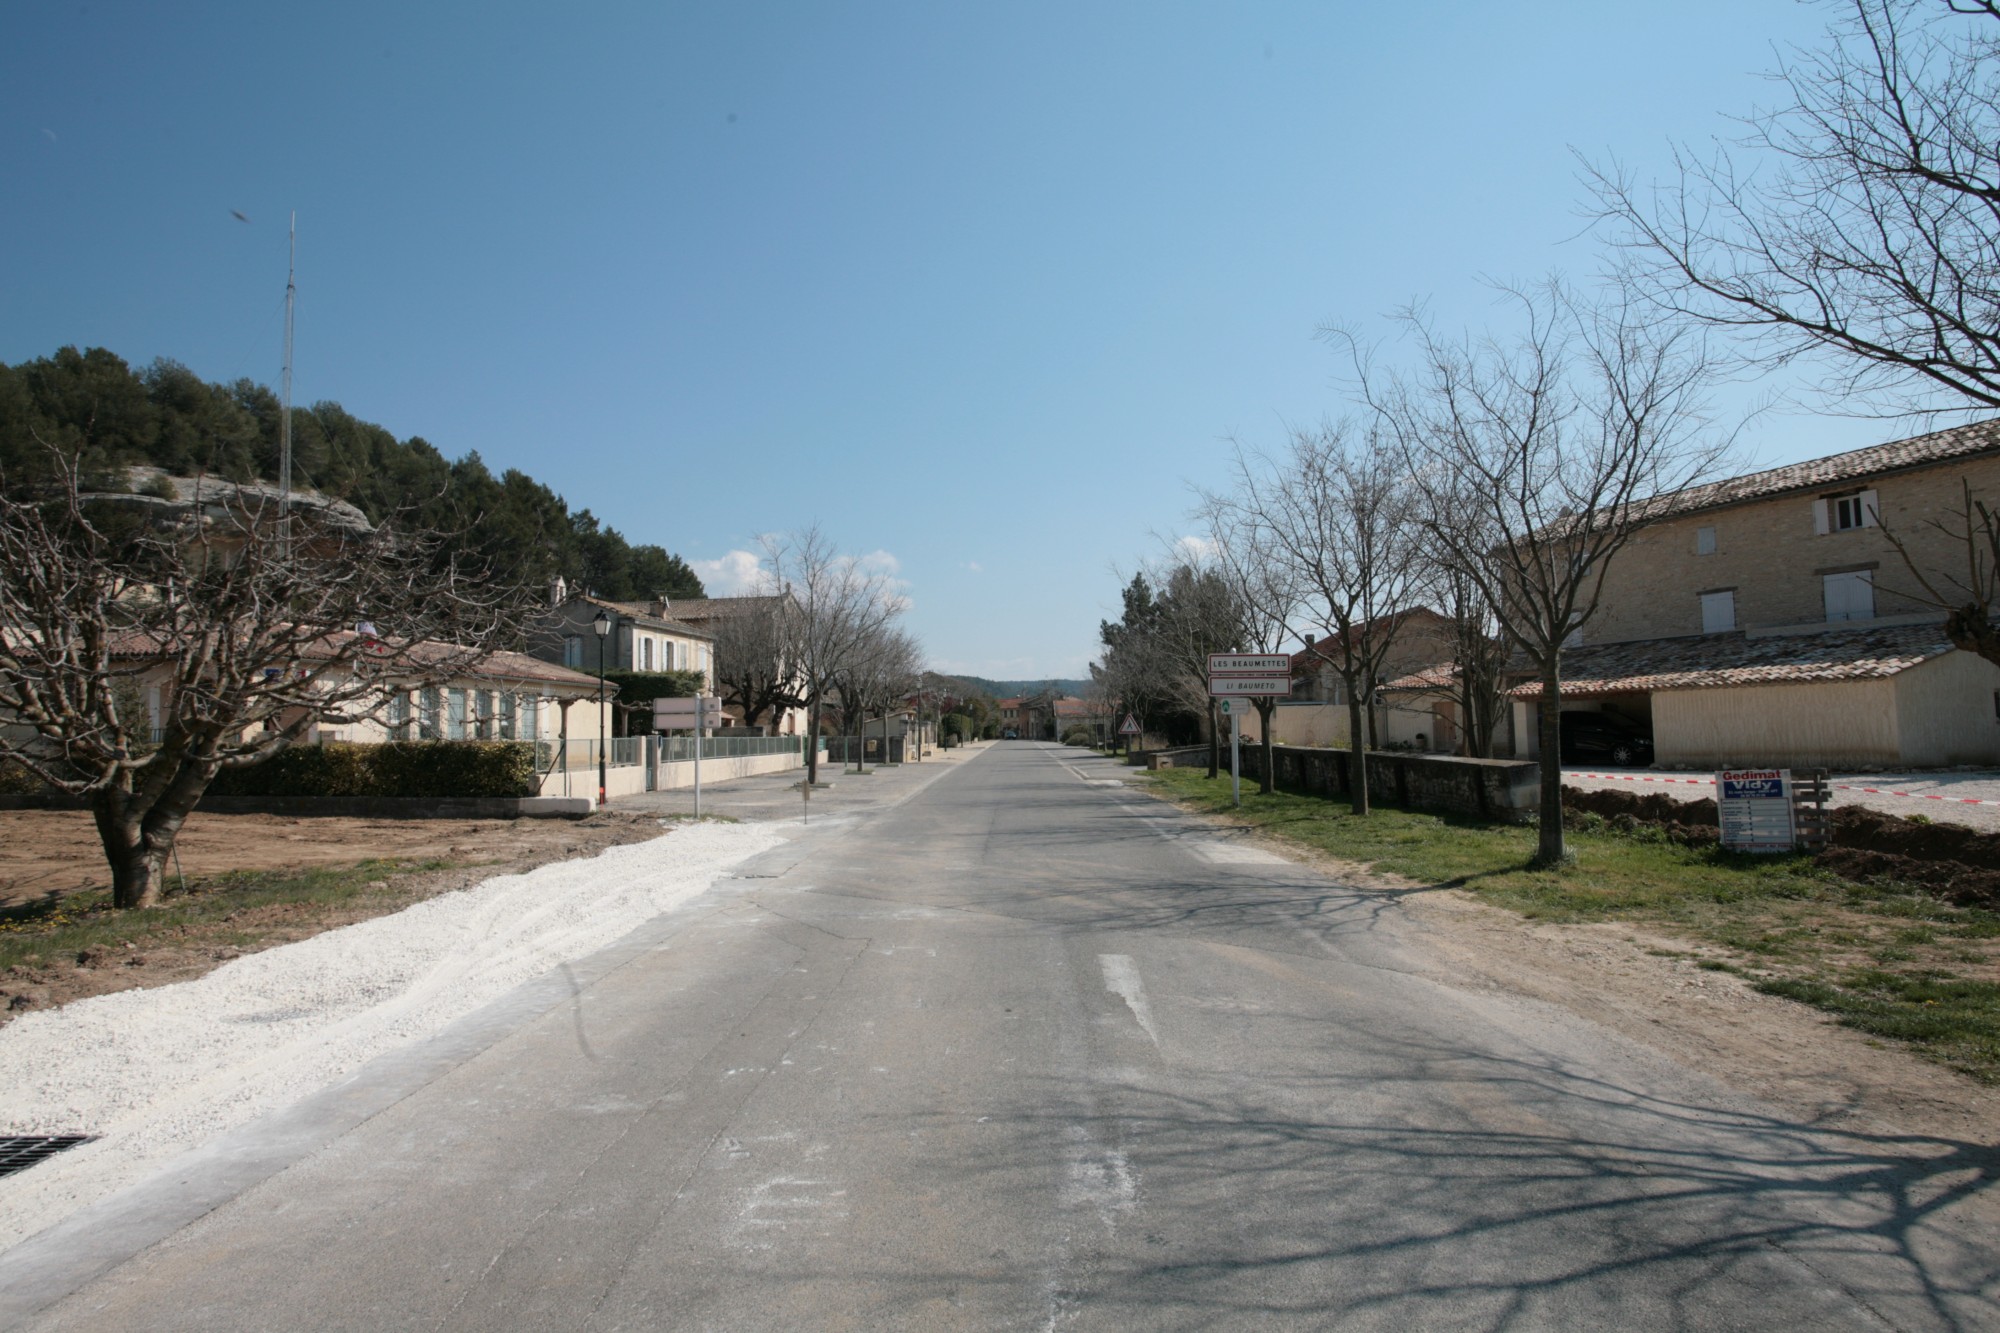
{"type": "Point", "coordinates": [1214, 744]}
{"type": "Point", "coordinates": [812, 741]}
{"type": "Point", "coordinates": [1357, 766]}
{"type": "Point", "coordinates": [1550, 849]}
{"type": "Point", "coordinates": [136, 846]}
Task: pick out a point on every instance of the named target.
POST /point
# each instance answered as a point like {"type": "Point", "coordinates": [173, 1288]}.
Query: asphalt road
{"type": "Point", "coordinates": [1006, 1044]}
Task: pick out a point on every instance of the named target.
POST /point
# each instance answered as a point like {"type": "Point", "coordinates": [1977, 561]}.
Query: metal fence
{"type": "Point", "coordinates": [630, 751]}
{"type": "Point", "coordinates": [621, 752]}
{"type": "Point", "coordinates": [677, 749]}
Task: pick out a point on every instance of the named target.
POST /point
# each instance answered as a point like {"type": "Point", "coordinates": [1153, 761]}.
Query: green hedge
{"type": "Point", "coordinates": [409, 768]}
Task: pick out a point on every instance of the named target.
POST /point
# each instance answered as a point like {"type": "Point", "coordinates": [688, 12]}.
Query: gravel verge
{"type": "Point", "coordinates": [154, 1072]}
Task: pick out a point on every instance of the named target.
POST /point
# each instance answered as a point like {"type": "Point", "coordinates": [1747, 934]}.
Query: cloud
{"type": "Point", "coordinates": [975, 566]}
{"type": "Point", "coordinates": [1195, 548]}
{"type": "Point", "coordinates": [879, 561]}
{"type": "Point", "coordinates": [735, 573]}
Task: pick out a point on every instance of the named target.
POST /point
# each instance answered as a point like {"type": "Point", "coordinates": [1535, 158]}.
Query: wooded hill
{"type": "Point", "coordinates": [96, 408]}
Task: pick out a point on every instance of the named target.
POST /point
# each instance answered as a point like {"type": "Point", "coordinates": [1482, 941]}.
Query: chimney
{"type": "Point", "coordinates": [660, 605]}
{"type": "Point", "coordinates": [558, 592]}
{"type": "Point", "coordinates": [1309, 643]}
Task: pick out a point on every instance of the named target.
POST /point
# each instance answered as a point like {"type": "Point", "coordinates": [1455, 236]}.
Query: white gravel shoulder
{"type": "Point", "coordinates": [156, 1072]}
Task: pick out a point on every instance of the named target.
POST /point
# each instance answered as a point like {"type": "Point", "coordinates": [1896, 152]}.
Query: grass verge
{"type": "Point", "coordinates": [1888, 960]}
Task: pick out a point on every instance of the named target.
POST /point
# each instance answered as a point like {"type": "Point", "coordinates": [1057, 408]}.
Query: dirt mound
{"type": "Point", "coordinates": [1871, 830]}
{"type": "Point", "coordinates": [1958, 864]}
{"type": "Point", "coordinates": [1652, 807]}
{"type": "Point", "coordinates": [1954, 881]}
{"type": "Point", "coordinates": [1692, 823]}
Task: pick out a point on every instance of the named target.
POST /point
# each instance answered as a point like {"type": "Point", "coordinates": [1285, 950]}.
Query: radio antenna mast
{"type": "Point", "coordinates": [285, 418]}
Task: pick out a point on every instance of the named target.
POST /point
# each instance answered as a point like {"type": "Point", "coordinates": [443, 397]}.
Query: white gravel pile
{"type": "Point", "coordinates": [155, 1072]}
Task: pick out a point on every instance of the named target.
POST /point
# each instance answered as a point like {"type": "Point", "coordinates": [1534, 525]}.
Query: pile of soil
{"type": "Point", "coordinates": [1958, 864]}
{"type": "Point", "coordinates": [1692, 823]}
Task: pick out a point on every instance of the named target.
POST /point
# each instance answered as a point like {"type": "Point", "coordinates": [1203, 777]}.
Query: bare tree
{"type": "Point", "coordinates": [148, 643]}
{"type": "Point", "coordinates": [1537, 460]}
{"type": "Point", "coordinates": [1265, 593]}
{"type": "Point", "coordinates": [1339, 512]}
{"type": "Point", "coordinates": [756, 654]}
{"type": "Point", "coordinates": [1864, 223]}
{"type": "Point", "coordinates": [1480, 649]}
{"type": "Point", "coordinates": [882, 669]}
{"type": "Point", "coordinates": [842, 604]}
{"type": "Point", "coordinates": [1867, 227]}
{"type": "Point", "coordinates": [1196, 616]}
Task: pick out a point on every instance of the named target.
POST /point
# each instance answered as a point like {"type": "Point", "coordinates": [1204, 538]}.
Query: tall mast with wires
{"type": "Point", "coordinates": [285, 419]}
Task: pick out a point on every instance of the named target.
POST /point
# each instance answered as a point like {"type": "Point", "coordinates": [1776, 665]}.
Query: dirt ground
{"type": "Point", "coordinates": [48, 855]}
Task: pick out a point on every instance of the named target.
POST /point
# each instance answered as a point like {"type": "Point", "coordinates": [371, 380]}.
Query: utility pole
{"type": "Point", "coordinates": [285, 417]}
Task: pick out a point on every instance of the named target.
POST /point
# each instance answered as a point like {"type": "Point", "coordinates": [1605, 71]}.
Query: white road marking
{"type": "Point", "coordinates": [1121, 978]}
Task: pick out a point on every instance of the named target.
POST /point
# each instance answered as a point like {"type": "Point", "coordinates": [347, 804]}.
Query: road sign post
{"type": "Point", "coordinates": [681, 714]}
{"type": "Point", "coordinates": [1233, 710]}
{"type": "Point", "coordinates": [1129, 730]}
{"type": "Point", "coordinates": [1249, 675]}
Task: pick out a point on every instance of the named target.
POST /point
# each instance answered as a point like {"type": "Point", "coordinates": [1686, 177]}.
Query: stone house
{"type": "Point", "coordinates": [1770, 618]}
{"type": "Point", "coordinates": [643, 636]}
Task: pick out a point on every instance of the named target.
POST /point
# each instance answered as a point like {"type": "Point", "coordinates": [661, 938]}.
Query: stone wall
{"type": "Point", "coordinates": [1490, 788]}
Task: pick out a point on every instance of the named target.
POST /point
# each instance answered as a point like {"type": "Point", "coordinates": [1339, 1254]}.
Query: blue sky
{"type": "Point", "coordinates": [983, 288]}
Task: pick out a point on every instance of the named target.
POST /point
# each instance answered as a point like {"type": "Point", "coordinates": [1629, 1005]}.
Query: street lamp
{"type": "Point", "coordinates": [603, 627]}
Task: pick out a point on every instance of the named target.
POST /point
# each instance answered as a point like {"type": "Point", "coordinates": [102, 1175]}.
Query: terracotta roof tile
{"type": "Point", "coordinates": [1710, 661]}
{"type": "Point", "coordinates": [1855, 465]}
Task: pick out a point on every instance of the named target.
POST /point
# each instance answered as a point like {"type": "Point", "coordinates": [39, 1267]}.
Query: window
{"type": "Point", "coordinates": [1850, 596]}
{"type": "Point", "coordinates": [573, 652]}
{"type": "Point", "coordinates": [484, 706]}
{"type": "Point", "coordinates": [1844, 513]}
{"type": "Point", "coordinates": [1704, 541]}
{"type": "Point", "coordinates": [645, 654]}
{"type": "Point", "coordinates": [399, 716]}
{"type": "Point", "coordinates": [1718, 611]}
{"type": "Point", "coordinates": [506, 717]}
{"type": "Point", "coordinates": [531, 713]}
{"type": "Point", "coordinates": [429, 709]}
{"type": "Point", "coordinates": [454, 722]}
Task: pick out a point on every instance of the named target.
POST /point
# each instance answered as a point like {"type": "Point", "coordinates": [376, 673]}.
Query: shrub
{"type": "Point", "coordinates": [1079, 736]}
{"type": "Point", "coordinates": [404, 768]}
{"type": "Point", "coordinates": [18, 781]}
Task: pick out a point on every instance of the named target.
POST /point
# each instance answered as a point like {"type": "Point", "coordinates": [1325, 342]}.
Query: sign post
{"type": "Point", "coordinates": [1754, 810]}
{"type": "Point", "coordinates": [1129, 730]}
{"type": "Point", "coordinates": [1236, 679]}
{"type": "Point", "coordinates": [1233, 710]}
{"type": "Point", "coordinates": [681, 714]}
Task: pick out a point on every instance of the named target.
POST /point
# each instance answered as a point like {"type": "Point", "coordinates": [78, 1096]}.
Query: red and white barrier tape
{"type": "Point", "coordinates": [1710, 782]}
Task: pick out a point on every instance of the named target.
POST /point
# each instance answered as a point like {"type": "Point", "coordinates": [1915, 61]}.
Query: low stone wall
{"type": "Point", "coordinates": [1180, 756]}
{"type": "Point", "coordinates": [1506, 789]}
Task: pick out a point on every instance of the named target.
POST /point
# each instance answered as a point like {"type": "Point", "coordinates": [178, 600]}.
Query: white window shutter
{"type": "Point", "coordinates": [1871, 512]}
{"type": "Point", "coordinates": [1822, 521]}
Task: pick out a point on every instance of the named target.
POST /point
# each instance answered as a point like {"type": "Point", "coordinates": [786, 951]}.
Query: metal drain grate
{"type": "Point", "coordinates": [18, 1152]}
